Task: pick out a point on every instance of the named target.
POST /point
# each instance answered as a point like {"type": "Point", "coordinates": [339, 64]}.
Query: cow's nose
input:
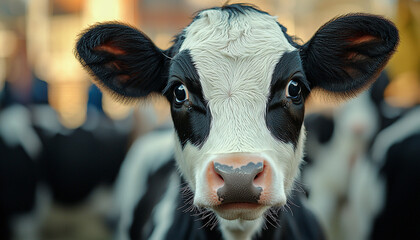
{"type": "Point", "coordinates": [239, 184]}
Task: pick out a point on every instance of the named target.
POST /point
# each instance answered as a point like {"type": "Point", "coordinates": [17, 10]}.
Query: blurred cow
{"type": "Point", "coordinates": [42, 161]}
{"type": "Point", "coordinates": [358, 169]}
{"type": "Point", "coordinates": [20, 149]}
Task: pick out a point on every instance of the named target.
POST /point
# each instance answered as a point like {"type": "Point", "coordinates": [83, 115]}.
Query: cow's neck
{"type": "Point", "coordinates": [240, 229]}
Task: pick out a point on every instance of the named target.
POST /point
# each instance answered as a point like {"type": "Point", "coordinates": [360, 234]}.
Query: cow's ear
{"type": "Point", "coordinates": [347, 53]}
{"type": "Point", "coordinates": [122, 59]}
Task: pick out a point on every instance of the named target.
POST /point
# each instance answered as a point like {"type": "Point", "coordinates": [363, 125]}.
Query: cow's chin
{"type": "Point", "coordinates": [243, 211]}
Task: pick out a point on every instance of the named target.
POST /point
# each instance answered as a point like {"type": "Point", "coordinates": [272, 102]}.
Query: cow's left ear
{"type": "Point", "coordinates": [347, 53]}
{"type": "Point", "coordinates": [123, 60]}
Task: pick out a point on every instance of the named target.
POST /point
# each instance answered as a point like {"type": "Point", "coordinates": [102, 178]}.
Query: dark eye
{"type": "Point", "coordinates": [293, 90]}
{"type": "Point", "coordinates": [181, 93]}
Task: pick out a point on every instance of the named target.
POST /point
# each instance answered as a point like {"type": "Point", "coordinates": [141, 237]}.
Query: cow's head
{"type": "Point", "coordinates": [237, 85]}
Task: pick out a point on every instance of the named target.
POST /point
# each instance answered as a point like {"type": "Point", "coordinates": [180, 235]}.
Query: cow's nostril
{"type": "Point", "coordinates": [220, 177]}
{"type": "Point", "coordinates": [259, 177]}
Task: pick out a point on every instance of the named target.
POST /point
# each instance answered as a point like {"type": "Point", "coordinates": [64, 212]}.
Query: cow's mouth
{"type": "Point", "coordinates": [230, 206]}
{"type": "Point", "coordinates": [245, 211]}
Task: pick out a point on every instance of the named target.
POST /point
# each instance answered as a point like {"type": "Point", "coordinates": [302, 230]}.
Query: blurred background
{"type": "Point", "coordinates": [62, 141]}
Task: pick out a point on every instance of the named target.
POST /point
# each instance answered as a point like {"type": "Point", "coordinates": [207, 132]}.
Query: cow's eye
{"type": "Point", "coordinates": [180, 93]}
{"type": "Point", "coordinates": [293, 90]}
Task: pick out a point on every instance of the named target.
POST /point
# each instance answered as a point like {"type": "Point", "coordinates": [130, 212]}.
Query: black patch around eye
{"type": "Point", "coordinates": [289, 64]}
{"type": "Point", "coordinates": [284, 117]}
{"type": "Point", "coordinates": [192, 117]}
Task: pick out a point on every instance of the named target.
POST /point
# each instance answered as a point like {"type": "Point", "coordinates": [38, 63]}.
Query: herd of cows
{"type": "Point", "coordinates": [242, 161]}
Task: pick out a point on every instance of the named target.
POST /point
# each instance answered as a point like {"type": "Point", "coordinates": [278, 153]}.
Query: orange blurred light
{"type": "Point", "coordinates": [69, 99]}
{"type": "Point", "coordinates": [69, 6]}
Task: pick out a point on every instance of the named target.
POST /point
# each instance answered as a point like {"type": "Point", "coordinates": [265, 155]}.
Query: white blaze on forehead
{"type": "Point", "coordinates": [235, 58]}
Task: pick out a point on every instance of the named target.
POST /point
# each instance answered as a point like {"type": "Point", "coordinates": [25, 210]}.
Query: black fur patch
{"type": "Point", "coordinates": [191, 119]}
{"type": "Point", "coordinates": [320, 127]}
{"type": "Point", "coordinates": [142, 225]}
{"type": "Point", "coordinates": [284, 116]}
{"type": "Point", "coordinates": [398, 219]}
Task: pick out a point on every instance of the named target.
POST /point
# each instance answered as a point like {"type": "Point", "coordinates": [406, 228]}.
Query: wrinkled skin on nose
{"type": "Point", "coordinates": [239, 183]}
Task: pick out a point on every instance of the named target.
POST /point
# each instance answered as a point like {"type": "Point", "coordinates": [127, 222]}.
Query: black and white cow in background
{"type": "Point", "coordinates": [338, 172]}
{"type": "Point", "coordinates": [363, 161]}
{"type": "Point", "coordinates": [237, 84]}
{"type": "Point", "coordinates": [42, 162]}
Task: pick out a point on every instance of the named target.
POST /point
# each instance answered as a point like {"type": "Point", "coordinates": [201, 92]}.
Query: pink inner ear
{"type": "Point", "coordinates": [120, 80]}
{"type": "Point", "coordinates": [353, 56]}
{"type": "Point", "coordinates": [362, 39]}
{"type": "Point", "coordinates": [110, 48]}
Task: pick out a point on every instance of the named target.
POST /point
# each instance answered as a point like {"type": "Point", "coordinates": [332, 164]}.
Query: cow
{"type": "Point", "coordinates": [40, 166]}
{"type": "Point", "coordinates": [237, 84]}
{"type": "Point", "coordinates": [395, 154]}
{"type": "Point", "coordinates": [361, 160]}
{"type": "Point", "coordinates": [20, 149]}
{"type": "Point", "coordinates": [338, 170]}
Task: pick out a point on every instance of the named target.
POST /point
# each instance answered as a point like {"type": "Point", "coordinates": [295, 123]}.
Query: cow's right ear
{"type": "Point", "coordinates": [123, 59]}
{"type": "Point", "coordinates": [346, 55]}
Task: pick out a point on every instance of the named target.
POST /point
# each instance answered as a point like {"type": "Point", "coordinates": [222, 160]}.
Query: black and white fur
{"type": "Point", "coordinates": [395, 152]}
{"type": "Point", "coordinates": [42, 162]}
{"type": "Point", "coordinates": [237, 84]}
{"type": "Point", "coordinates": [152, 201]}
{"type": "Point", "coordinates": [363, 161]}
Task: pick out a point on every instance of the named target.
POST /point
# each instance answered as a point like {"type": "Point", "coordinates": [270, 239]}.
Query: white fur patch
{"type": "Point", "coordinates": [16, 129]}
{"type": "Point", "coordinates": [240, 229]}
{"type": "Point", "coordinates": [163, 214]}
{"type": "Point", "coordinates": [406, 126]}
{"type": "Point", "coordinates": [146, 155]}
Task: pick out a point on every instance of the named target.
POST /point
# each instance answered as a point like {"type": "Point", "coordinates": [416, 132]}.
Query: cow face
{"type": "Point", "coordinates": [237, 88]}
{"type": "Point", "coordinates": [237, 85]}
